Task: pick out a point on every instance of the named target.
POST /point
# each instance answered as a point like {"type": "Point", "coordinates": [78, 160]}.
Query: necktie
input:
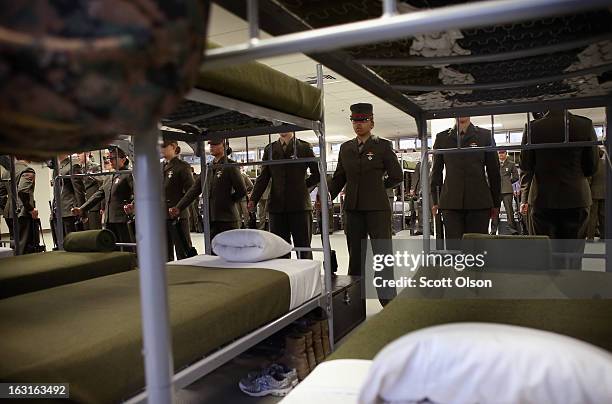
{"type": "Point", "coordinates": [284, 147]}
{"type": "Point", "coordinates": [360, 147]}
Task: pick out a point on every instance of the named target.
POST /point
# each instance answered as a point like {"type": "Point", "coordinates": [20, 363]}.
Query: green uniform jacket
{"type": "Point", "coordinates": [226, 190]}
{"type": "Point", "coordinates": [177, 181]}
{"type": "Point", "coordinates": [72, 189]}
{"type": "Point", "coordinates": [560, 175]}
{"type": "Point", "coordinates": [509, 175]}
{"type": "Point", "coordinates": [290, 183]}
{"type": "Point", "coordinates": [92, 184]}
{"type": "Point", "coordinates": [26, 180]}
{"type": "Point", "coordinates": [364, 174]}
{"type": "Point", "coordinates": [116, 191]}
{"type": "Point", "coordinates": [466, 186]}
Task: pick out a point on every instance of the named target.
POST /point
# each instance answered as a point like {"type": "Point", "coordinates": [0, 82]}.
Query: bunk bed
{"type": "Point", "coordinates": [152, 276]}
{"type": "Point", "coordinates": [215, 313]}
{"type": "Point", "coordinates": [485, 58]}
{"type": "Point", "coordinates": [32, 272]}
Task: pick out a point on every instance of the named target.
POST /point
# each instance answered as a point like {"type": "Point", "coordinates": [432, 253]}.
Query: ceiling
{"type": "Point", "coordinates": [227, 29]}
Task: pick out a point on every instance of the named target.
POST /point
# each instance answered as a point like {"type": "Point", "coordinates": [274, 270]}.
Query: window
{"type": "Point", "coordinates": [405, 144]}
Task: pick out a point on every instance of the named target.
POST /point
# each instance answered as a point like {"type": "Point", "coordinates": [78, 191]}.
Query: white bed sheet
{"type": "Point", "coordinates": [6, 252]}
{"type": "Point", "coordinates": [334, 382]}
{"type": "Point", "coordinates": [304, 275]}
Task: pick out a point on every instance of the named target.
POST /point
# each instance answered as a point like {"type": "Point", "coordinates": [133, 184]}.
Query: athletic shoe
{"type": "Point", "coordinates": [263, 385]}
{"type": "Point", "coordinates": [276, 368]}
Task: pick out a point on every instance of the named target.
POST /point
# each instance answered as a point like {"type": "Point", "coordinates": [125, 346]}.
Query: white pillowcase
{"type": "Point", "coordinates": [489, 363]}
{"type": "Point", "coordinates": [249, 245]}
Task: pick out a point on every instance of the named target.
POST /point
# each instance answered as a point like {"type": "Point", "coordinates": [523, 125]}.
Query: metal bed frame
{"type": "Point", "coordinates": [389, 26]}
{"type": "Point", "coordinates": [154, 298]}
{"type": "Point", "coordinates": [157, 349]}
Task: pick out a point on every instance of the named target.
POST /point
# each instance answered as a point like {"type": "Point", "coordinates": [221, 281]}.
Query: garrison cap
{"type": "Point", "coordinates": [361, 112]}
{"type": "Point", "coordinates": [113, 148]}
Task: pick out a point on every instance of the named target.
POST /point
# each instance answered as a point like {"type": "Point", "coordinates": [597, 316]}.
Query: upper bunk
{"type": "Point", "coordinates": [561, 60]}
{"type": "Point", "coordinates": [247, 99]}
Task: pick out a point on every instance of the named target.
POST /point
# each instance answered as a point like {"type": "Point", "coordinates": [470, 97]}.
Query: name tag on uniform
{"type": "Point", "coordinates": [370, 155]}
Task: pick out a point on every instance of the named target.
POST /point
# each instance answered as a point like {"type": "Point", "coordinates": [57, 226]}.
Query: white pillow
{"type": "Point", "coordinates": [489, 363]}
{"type": "Point", "coordinates": [249, 245]}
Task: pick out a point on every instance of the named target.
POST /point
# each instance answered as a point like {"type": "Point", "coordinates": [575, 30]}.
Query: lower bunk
{"type": "Point", "coordinates": [32, 272]}
{"type": "Point", "coordinates": [89, 333]}
{"type": "Point", "coordinates": [349, 370]}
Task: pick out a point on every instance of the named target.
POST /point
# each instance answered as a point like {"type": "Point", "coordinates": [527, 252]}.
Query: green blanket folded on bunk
{"type": "Point", "coordinates": [261, 85]}
{"type": "Point", "coordinates": [587, 320]}
{"type": "Point", "coordinates": [90, 241]}
{"type": "Point", "coordinates": [89, 333]}
{"type": "Point", "coordinates": [32, 272]}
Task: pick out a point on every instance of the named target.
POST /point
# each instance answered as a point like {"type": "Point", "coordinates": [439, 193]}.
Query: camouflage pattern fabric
{"type": "Point", "coordinates": [75, 73]}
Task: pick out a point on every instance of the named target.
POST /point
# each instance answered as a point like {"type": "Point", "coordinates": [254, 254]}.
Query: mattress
{"type": "Point", "coordinates": [304, 275]}
{"type": "Point", "coordinates": [333, 382]}
{"type": "Point", "coordinates": [89, 333]}
{"type": "Point", "coordinates": [587, 320]}
{"type": "Point", "coordinates": [31, 272]}
{"type": "Point", "coordinates": [261, 85]}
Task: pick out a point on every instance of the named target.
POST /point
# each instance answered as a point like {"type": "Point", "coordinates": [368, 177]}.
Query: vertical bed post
{"type": "Point", "coordinates": [57, 194]}
{"type": "Point", "coordinates": [608, 200]}
{"type": "Point", "coordinates": [323, 193]}
{"type": "Point", "coordinates": [15, 223]}
{"type": "Point", "coordinates": [151, 239]}
{"type": "Point", "coordinates": [402, 192]}
{"type": "Point", "coordinates": [206, 207]}
{"type": "Point", "coordinates": [425, 185]}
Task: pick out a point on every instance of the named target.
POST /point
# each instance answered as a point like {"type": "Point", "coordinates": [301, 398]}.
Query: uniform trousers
{"type": "Point", "coordinates": [121, 231]}
{"type": "Point", "coordinates": [597, 219]}
{"type": "Point", "coordinates": [25, 224]}
{"type": "Point", "coordinates": [457, 222]}
{"type": "Point", "coordinates": [375, 224]}
{"type": "Point", "coordinates": [262, 213]}
{"type": "Point", "coordinates": [217, 227]}
{"type": "Point", "coordinates": [94, 220]}
{"type": "Point", "coordinates": [175, 241]}
{"type": "Point", "coordinates": [507, 201]}
{"type": "Point", "coordinates": [567, 230]}
{"type": "Point", "coordinates": [296, 226]}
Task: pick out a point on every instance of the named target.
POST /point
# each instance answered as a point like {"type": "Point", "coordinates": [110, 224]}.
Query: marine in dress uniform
{"type": "Point", "coordinates": [597, 218]}
{"type": "Point", "coordinates": [25, 178]}
{"type": "Point", "coordinates": [178, 178]}
{"type": "Point", "coordinates": [117, 193]}
{"type": "Point", "coordinates": [289, 204]}
{"type": "Point", "coordinates": [558, 196]}
{"type": "Point", "coordinates": [72, 192]}
{"type": "Point", "coordinates": [362, 164]}
{"type": "Point", "coordinates": [468, 197]}
{"type": "Point", "coordinates": [92, 183]}
{"type": "Point", "coordinates": [226, 189]}
{"type": "Point", "coordinates": [509, 175]}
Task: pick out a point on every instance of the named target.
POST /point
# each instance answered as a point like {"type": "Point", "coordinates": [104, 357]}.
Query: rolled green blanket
{"type": "Point", "coordinates": [90, 241]}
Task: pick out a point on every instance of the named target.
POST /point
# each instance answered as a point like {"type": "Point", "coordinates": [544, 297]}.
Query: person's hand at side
{"type": "Point", "coordinates": [174, 212]}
